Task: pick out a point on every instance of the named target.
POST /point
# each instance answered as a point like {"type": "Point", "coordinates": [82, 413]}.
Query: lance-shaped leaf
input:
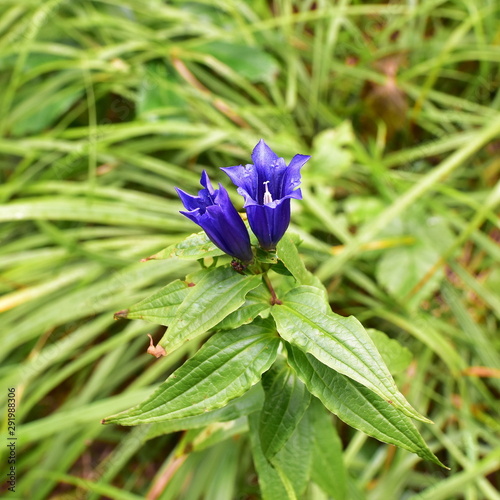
{"type": "Point", "coordinates": [328, 470]}
{"type": "Point", "coordinates": [219, 292]}
{"type": "Point", "coordinates": [287, 474]}
{"type": "Point", "coordinates": [194, 247]}
{"type": "Point", "coordinates": [271, 485]}
{"type": "Point", "coordinates": [306, 320]}
{"type": "Point", "coordinates": [222, 370]}
{"type": "Point", "coordinates": [289, 255]}
{"type": "Point", "coordinates": [358, 406]}
{"type": "Point", "coordinates": [293, 462]}
{"type": "Point", "coordinates": [250, 402]}
{"type": "Point", "coordinates": [286, 401]}
{"type": "Point", "coordinates": [161, 307]}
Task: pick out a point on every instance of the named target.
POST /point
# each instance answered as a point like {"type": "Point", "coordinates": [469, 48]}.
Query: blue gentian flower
{"type": "Point", "coordinates": [213, 211]}
{"type": "Point", "coordinates": [267, 186]}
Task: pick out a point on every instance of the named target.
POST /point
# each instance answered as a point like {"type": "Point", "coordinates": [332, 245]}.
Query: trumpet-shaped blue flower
{"type": "Point", "coordinates": [213, 211]}
{"type": "Point", "coordinates": [268, 186]}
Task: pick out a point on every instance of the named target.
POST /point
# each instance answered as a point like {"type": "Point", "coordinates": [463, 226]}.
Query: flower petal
{"type": "Point", "coordinates": [213, 211]}
{"type": "Point", "coordinates": [263, 155]}
{"type": "Point", "coordinates": [269, 223]}
{"type": "Point", "coordinates": [205, 182]}
{"type": "Point", "coordinates": [245, 177]}
{"type": "Point", "coordinates": [291, 178]}
{"type": "Point", "coordinates": [189, 201]}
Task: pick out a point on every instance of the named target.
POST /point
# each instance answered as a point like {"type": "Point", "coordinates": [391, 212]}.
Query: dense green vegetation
{"type": "Point", "coordinates": [107, 105]}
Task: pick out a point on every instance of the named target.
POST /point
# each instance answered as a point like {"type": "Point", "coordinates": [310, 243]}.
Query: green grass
{"type": "Point", "coordinates": [107, 105]}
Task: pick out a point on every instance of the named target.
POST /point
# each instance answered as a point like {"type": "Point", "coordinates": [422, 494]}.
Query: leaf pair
{"type": "Point", "coordinates": [192, 307]}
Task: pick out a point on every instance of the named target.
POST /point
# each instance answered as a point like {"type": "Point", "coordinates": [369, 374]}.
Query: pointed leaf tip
{"type": "Point", "coordinates": [123, 314]}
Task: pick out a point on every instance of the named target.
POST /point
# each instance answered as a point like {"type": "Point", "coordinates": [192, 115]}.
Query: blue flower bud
{"type": "Point", "coordinates": [213, 211]}
{"type": "Point", "coordinates": [267, 186]}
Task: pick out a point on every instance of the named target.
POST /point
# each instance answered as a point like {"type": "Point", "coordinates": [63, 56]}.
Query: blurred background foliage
{"type": "Point", "coordinates": [107, 105]}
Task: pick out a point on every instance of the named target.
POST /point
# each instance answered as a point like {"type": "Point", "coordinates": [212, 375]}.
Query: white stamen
{"type": "Point", "coordinates": [267, 195]}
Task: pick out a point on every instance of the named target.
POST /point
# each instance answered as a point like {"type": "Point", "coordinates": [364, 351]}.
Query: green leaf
{"type": "Point", "coordinates": [264, 256]}
{"type": "Point", "coordinates": [286, 401]}
{"type": "Point", "coordinates": [360, 209]}
{"type": "Point", "coordinates": [289, 255]}
{"type": "Point", "coordinates": [287, 475]}
{"type": "Point", "coordinates": [250, 402]}
{"type": "Point", "coordinates": [249, 62]}
{"type": "Point", "coordinates": [271, 485]}
{"type": "Point", "coordinates": [332, 153]}
{"type": "Point", "coordinates": [414, 272]}
{"type": "Point", "coordinates": [257, 301]}
{"type": "Point", "coordinates": [222, 370]}
{"type": "Point", "coordinates": [37, 118]}
{"type": "Point", "coordinates": [358, 406]}
{"type": "Point", "coordinates": [396, 357]}
{"type": "Point", "coordinates": [194, 247]}
{"type": "Point", "coordinates": [161, 307]}
{"type": "Point", "coordinates": [305, 320]}
{"type": "Point", "coordinates": [80, 209]}
{"type": "Point", "coordinates": [159, 91]}
{"type": "Point", "coordinates": [280, 268]}
{"type": "Point", "coordinates": [293, 462]}
{"type": "Point", "coordinates": [328, 470]}
{"type": "Point", "coordinates": [219, 292]}
{"type": "Point", "coordinates": [400, 269]}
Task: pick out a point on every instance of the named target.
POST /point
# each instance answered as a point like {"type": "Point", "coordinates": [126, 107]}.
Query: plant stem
{"type": "Point", "coordinates": [274, 298]}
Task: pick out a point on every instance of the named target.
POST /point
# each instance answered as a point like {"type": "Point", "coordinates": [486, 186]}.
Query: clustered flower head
{"type": "Point", "coordinates": [267, 186]}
